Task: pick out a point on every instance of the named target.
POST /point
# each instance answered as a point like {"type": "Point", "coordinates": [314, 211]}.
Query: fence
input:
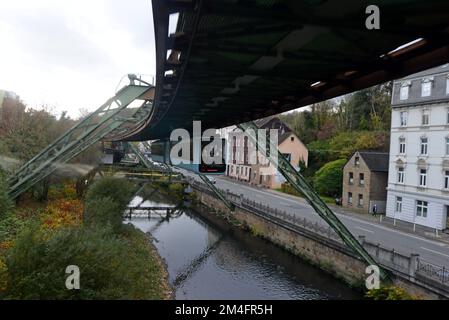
{"type": "Point", "coordinates": [410, 266]}
{"type": "Point", "coordinates": [436, 273]}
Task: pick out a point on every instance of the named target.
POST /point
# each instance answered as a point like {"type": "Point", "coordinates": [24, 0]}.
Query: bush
{"type": "Point", "coordinates": [6, 203]}
{"type": "Point", "coordinates": [176, 190]}
{"type": "Point", "coordinates": [111, 267]}
{"type": "Point", "coordinates": [104, 211]}
{"type": "Point", "coordinates": [10, 225]}
{"type": "Point", "coordinates": [121, 190]}
{"type": "Point", "coordinates": [328, 180]}
{"type": "Point", "coordinates": [106, 201]}
{"type": "Point", "coordinates": [287, 188]}
{"type": "Point", "coordinates": [389, 293]}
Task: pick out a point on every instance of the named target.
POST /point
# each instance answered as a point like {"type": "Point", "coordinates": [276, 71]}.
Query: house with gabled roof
{"type": "Point", "coordinates": [365, 180]}
{"type": "Point", "coordinates": [263, 173]}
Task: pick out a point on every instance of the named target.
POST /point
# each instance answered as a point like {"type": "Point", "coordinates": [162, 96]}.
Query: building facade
{"type": "Point", "coordinates": [418, 183]}
{"type": "Point", "coordinates": [365, 178]}
{"type": "Point", "coordinates": [243, 165]}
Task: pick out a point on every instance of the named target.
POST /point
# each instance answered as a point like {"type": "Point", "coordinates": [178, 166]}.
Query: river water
{"type": "Point", "coordinates": [207, 261]}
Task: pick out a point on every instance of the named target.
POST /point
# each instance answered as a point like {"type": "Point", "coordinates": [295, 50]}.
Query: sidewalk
{"type": "Point", "coordinates": [382, 220]}
{"type": "Point", "coordinates": [399, 225]}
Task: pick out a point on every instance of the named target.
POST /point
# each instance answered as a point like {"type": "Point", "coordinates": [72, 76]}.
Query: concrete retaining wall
{"type": "Point", "coordinates": [325, 252]}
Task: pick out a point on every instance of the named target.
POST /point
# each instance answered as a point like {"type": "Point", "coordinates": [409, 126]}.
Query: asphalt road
{"type": "Point", "coordinates": [435, 252]}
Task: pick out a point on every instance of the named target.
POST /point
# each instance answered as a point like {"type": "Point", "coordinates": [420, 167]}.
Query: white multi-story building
{"type": "Point", "coordinates": [418, 180]}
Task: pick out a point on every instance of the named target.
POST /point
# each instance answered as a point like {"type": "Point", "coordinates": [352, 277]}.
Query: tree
{"type": "Point", "coordinates": [328, 180]}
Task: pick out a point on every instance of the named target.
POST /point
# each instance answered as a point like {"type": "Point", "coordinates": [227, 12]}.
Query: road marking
{"type": "Point", "coordinates": [430, 250]}
{"type": "Point", "coordinates": [393, 231]}
{"type": "Point", "coordinates": [299, 201]}
{"type": "Point", "coordinates": [340, 216]}
{"type": "Point", "coordinates": [366, 230]}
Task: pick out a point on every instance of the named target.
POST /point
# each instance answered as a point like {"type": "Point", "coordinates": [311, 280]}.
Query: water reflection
{"type": "Point", "coordinates": [208, 261]}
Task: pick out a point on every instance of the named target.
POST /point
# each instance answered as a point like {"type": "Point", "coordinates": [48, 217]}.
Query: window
{"type": "Point", "coordinates": [403, 118]}
{"type": "Point", "coordinates": [426, 88]}
{"type": "Point", "coordinates": [447, 85]}
{"type": "Point", "coordinates": [447, 115]}
{"type": "Point", "coordinates": [350, 198]}
{"type": "Point", "coordinates": [360, 200]}
{"type": "Point", "coordinates": [398, 204]}
{"type": "Point", "coordinates": [446, 179]}
{"type": "Point", "coordinates": [292, 139]}
{"type": "Point", "coordinates": [237, 170]}
{"type": "Point", "coordinates": [357, 161]}
{"type": "Point", "coordinates": [447, 146]}
{"type": "Point", "coordinates": [401, 175]}
{"type": "Point", "coordinates": [422, 177]}
{"type": "Point", "coordinates": [425, 118]}
{"type": "Point", "coordinates": [402, 145]}
{"type": "Point", "coordinates": [424, 143]}
{"type": "Point", "coordinates": [421, 208]}
{"type": "Point", "coordinates": [404, 92]}
{"type": "Point", "coordinates": [288, 156]}
{"type": "Point", "coordinates": [351, 178]}
{"type": "Point", "coordinates": [361, 179]}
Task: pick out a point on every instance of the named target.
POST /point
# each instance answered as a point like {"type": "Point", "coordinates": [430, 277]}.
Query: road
{"type": "Point", "coordinates": [432, 251]}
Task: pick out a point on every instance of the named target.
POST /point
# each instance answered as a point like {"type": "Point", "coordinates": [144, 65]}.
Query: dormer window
{"type": "Point", "coordinates": [426, 87]}
{"type": "Point", "coordinates": [403, 94]}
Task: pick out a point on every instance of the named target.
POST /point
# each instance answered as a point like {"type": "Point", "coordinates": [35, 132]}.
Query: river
{"type": "Point", "coordinates": [207, 261]}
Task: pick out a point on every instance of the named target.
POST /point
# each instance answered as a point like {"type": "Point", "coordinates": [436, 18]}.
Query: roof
{"type": "Point", "coordinates": [284, 136]}
{"type": "Point", "coordinates": [429, 72]}
{"type": "Point", "coordinates": [232, 61]}
{"type": "Point", "coordinates": [376, 161]}
{"type": "Point", "coordinates": [264, 122]}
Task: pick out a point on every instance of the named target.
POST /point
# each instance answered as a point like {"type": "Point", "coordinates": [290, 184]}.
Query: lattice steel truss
{"type": "Point", "coordinates": [105, 122]}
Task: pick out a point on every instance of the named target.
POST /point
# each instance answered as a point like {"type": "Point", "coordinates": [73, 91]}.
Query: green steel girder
{"type": "Point", "coordinates": [96, 126]}
{"type": "Point", "coordinates": [141, 156]}
{"type": "Point", "coordinates": [147, 146]}
{"type": "Point", "coordinates": [217, 192]}
{"type": "Point", "coordinates": [302, 186]}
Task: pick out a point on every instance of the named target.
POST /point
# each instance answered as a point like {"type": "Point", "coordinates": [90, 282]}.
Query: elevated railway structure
{"type": "Point", "coordinates": [233, 61]}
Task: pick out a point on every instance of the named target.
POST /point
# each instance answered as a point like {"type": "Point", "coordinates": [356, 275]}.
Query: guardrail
{"type": "Point", "coordinates": [437, 273]}
{"type": "Point", "coordinates": [410, 266]}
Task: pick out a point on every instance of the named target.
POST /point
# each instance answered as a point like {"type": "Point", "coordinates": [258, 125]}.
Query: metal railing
{"type": "Point", "coordinates": [437, 273]}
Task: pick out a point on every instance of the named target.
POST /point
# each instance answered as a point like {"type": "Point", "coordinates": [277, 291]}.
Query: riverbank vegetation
{"type": "Point", "coordinates": [39, 240]}
{"type": "Point", "coordinates": [390, 293]}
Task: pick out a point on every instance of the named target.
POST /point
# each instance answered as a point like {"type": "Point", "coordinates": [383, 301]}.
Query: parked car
{"type": "Point", "coordinates": [211, 179]}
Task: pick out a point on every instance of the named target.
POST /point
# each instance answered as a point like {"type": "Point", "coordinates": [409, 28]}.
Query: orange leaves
{"type": "Point", "coordinates": [5, 245]}
{"type": "Point", "coordinates": [62, 213]}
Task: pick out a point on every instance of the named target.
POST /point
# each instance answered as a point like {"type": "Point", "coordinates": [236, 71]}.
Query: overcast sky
{"type": "Point", "coordinates": [71, 54]}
